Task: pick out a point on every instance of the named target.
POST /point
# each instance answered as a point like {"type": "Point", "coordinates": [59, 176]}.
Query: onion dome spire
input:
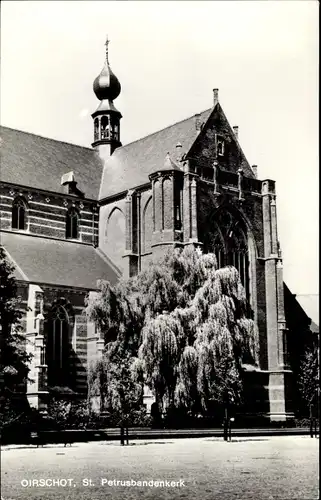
{"type": "Point", "coordinates": [106, 85]}
{"type": "Point", "coordinates": [106, 117]}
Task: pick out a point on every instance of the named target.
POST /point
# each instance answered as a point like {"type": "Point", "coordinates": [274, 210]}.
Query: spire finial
{"type": "Point", "coordinates": [107, 43]}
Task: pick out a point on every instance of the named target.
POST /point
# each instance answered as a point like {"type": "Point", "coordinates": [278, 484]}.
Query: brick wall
{"type": "Point", "coordinates": [46, 213]}
{"type": "Point", "coordinates": [158, 205]}
{"type": "Point", "coordinates": [74, 302]}
{"type": "Point", "coordinates": [251, 210]}
{"type": "Point", "coordinates": [112, 231]}
{"type": "Point", "coordinates": [168, 204]}
{"type": "Point", "coordinates": [204, 149]}
{"type": "Point", "coordinates": [146, 222]}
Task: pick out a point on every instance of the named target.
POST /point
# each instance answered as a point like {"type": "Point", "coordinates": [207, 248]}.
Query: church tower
{"type": "Point", "coordinates": [106, 117]}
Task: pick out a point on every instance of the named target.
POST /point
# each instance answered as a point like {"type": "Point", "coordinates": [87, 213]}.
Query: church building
{"type": "Point", "coordinates": [72, 215]}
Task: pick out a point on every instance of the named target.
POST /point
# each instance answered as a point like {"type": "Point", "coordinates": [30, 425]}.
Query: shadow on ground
{"type": "Point", "coordinates": [33, 446]}
{"type": "Point", "coordinates": [237, 440]}
{"type": "Point", "coordinates": [137, 443]}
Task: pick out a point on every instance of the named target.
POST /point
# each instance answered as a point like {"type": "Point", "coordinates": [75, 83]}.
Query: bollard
{"type": "Point", "coordinates": [313, 427]}
{"type": "Point", "coordinates": [230, 428]}
{"type": "Point", "coordinates": [127, 440]}
{"type": "Point", "coordinates": [312, 420]}
{"type": "Point", "coordinates": [122, 441]}
{"type": "Point", "coordinates": [225, 433]}
{"type": "Point", "coordinates": [226, 424]}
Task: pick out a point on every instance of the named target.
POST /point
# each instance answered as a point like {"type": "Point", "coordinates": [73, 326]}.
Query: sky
{"type": "Point", "coordinates": [168, 56]}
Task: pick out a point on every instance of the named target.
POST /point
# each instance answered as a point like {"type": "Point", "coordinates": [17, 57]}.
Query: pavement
{"type": "Point", "coordinates": [207, 468]}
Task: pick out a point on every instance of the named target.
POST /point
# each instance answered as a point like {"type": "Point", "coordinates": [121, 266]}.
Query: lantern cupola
{"type": "Point", "coordinates": [106, 117]}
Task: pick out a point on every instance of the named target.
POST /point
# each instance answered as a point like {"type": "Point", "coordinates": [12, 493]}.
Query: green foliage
{"type": "Point", "coordinates": [181, 326]}
{"type": "Point", "coordinates": [14, 359]}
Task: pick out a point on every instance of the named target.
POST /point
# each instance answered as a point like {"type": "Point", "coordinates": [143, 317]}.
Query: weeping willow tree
{"type": "Point", "coordinates": [160, 352]}
{"type": "Point", "coordinates": [184, 328]}
{"type": "Point", "coordinates": [114, 380]}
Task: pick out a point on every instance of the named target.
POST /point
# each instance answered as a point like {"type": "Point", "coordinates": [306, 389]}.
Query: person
{"type": "Point", "coordinates": [228, 419]}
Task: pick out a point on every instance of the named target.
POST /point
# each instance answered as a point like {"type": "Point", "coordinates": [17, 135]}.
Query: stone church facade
{"type": "Point", "coordinates": [72, 215]}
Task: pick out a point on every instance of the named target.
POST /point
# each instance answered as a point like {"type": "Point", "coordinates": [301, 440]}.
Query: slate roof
{"type": "Point", "coordinates": [35, 161]}
{"type": "Point", "coordinates": [130, 165]}
{"type": "Point", "coordinates": [56, 262]}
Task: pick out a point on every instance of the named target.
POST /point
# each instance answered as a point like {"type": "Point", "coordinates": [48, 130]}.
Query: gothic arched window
{"type": "Point", "coordinates": [57, 347]}
{"type": "Point", "coordinates": [229, 243]}
{"type": "Point", "coordinates": [72, 224]}
{"type": "Point", "coordinates": [178, 207]}
{"type": "Point", "coordinates": [219, 249]}
{"type": "Point", "coordinates": [19, 214]}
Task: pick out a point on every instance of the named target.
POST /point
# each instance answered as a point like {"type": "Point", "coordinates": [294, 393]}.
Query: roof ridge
{"type": "Point", "coordinates": [46, 138]}
{"type": "Point", "coordinates": [164, 128]}
{"type": "Point", "coordinates": [121, 147]}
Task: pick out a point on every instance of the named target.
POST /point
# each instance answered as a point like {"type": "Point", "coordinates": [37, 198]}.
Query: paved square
{"type": "Point", "coordinates": [283, 468]}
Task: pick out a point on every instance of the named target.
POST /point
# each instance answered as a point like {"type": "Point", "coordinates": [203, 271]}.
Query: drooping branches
{"type": "Point", "coordinates": [160, 351]}
{"type": "Point", "coordinates": [184, 326]}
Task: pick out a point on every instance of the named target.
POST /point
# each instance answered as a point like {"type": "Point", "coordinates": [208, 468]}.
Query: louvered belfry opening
{"type": "Point", "coordinates": [229, 243]}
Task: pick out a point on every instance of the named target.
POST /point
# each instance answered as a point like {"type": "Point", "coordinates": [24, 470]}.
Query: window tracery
{"type": "Point", "coordinates": [57, 348]}
{"type": "Point", "coordinates": [229, 243]}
